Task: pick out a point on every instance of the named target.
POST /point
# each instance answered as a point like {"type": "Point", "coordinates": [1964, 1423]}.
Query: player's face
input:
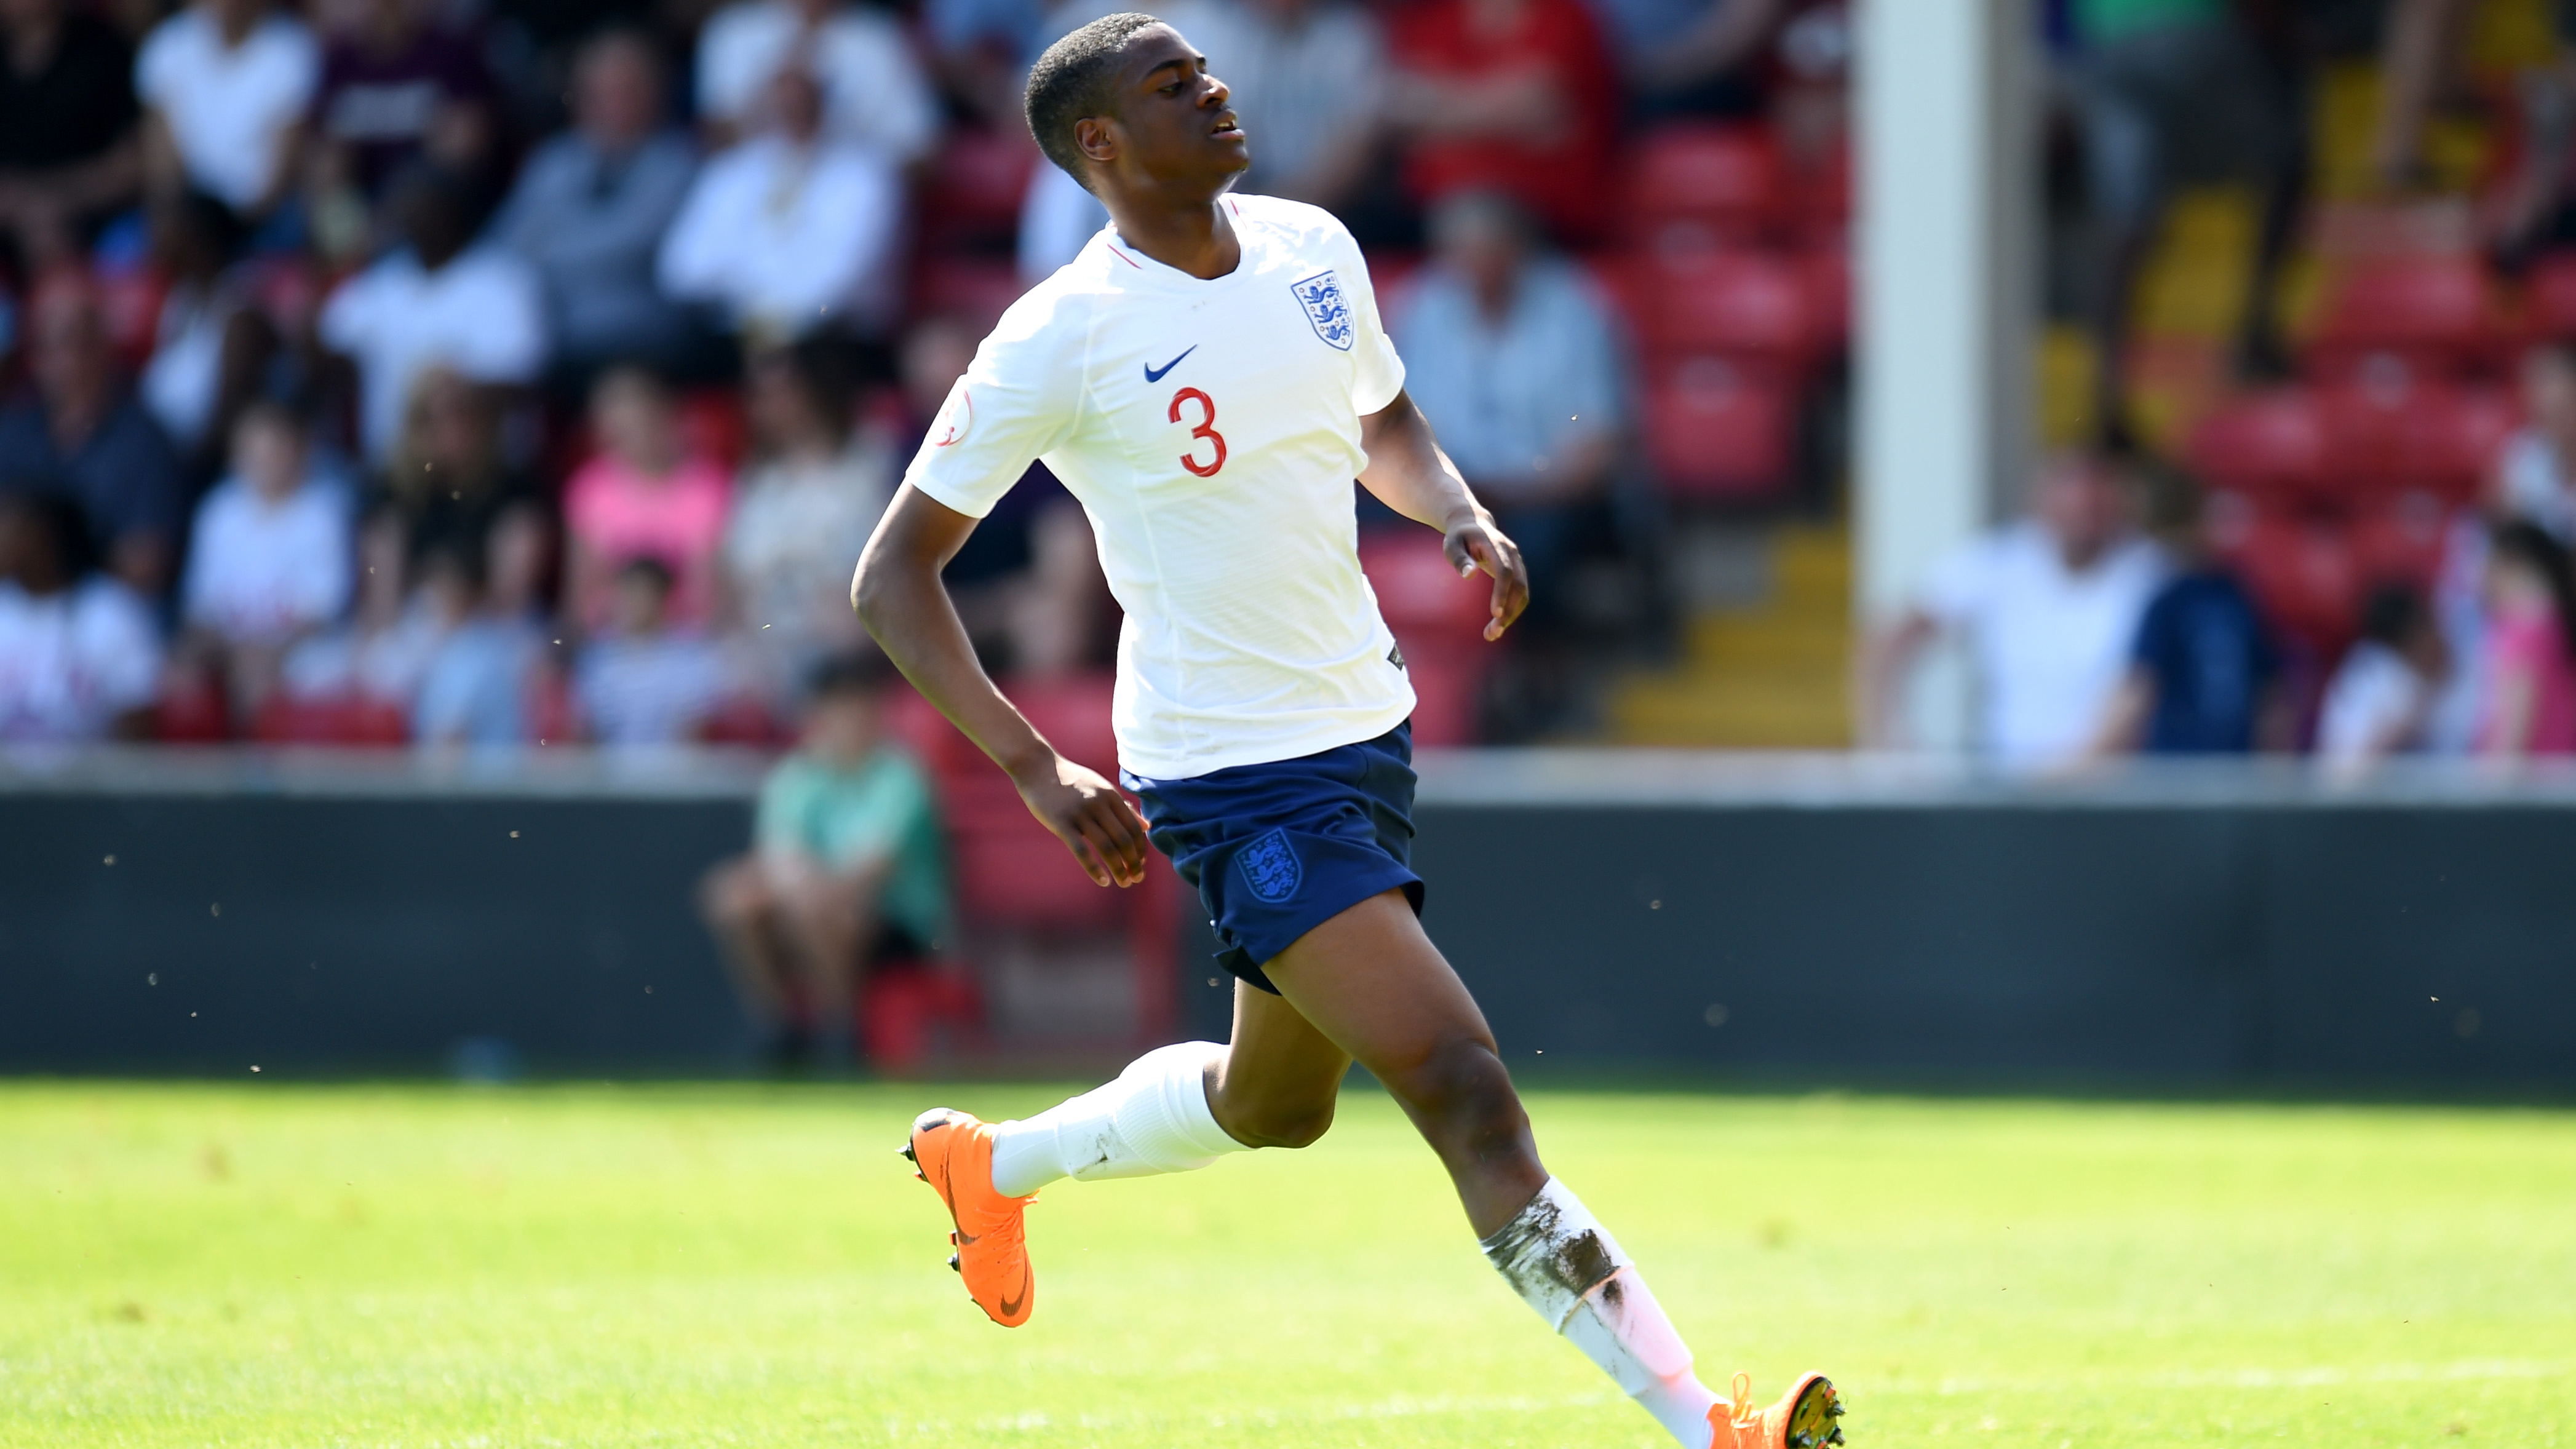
{"type": "Point", "coordinates": [1174, 122]}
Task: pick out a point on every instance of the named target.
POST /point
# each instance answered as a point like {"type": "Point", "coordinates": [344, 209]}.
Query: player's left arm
{"type": "Point", "coordinates": [1409, 473]}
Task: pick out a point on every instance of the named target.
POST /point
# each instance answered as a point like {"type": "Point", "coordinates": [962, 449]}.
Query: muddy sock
{"type": "Point", "coordinates": [1153, 1119]}
{"type": "Point", "coordinates": [1564, 1264]}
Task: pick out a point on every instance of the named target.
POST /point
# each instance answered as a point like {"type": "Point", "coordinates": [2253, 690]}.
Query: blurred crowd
{"type": "Point", "coordinates": [385, 370]}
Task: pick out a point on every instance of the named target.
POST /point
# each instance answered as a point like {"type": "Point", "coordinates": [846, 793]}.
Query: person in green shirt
{"type": "Point", "coordinates": [848, 872]}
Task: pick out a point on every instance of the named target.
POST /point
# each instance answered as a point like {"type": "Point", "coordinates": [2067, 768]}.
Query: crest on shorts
{"type": "Point", "coordinates": [1271, 868]}
{"type": "Point", "coordinates": [1321, 296]}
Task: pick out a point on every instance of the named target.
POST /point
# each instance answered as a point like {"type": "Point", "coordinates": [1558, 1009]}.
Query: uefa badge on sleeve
{"type": "Point", "coordinates": [1321, 296]}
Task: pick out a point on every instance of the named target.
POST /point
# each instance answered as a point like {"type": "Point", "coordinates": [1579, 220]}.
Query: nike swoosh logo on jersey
{"type": "Point", "coordinates": [1155, 374]}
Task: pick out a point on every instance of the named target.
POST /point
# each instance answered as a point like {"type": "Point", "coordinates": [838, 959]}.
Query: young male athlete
{"type": "Point", "coordinates": [1207, 377]}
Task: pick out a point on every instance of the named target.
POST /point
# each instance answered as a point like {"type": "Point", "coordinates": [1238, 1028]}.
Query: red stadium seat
{"type": "Point", "coordinates": [1418, 592]}
{"type": "Point", "coordinates": [1447, 679]}
{"type": "Point", "coordinates": [743, 721]}
{"type": "Point", "coordinates": [1746, 307]}
{"type": "Point", "coordinates": [1073, 713]}
{"type": "Point", "coordinates": [971, 194]}
{"type": "Point", "coordinates": [2549, 298]}
{"type": "Point", "coordinates": [348, 720]}
{"type": "Point", "coordinates": [2401, 538]}
{"type": "Point", "coordinates": [2307, 575]}
{"type": "Point", "coordinates": [2431, 435]}
{"type": "Point", "coordinates": [2433, 316]}
{"type": "Point", "coordinates": [1725, 179]}
{"type": "Point", "coordinates": [2264, 443]}
{"type": "Point", "coordinates": [902, 1011]}
{"type": "Point", "coordinates": [192, 711]}
{"type": "Point", "coordinates": [1829, 292]}
{"type": "Point", "coordinates": [1716, 432]}
{"type": "Point", "coordinates": [973, 291]}
{"type": "Point", "coordinates": [712, 426]}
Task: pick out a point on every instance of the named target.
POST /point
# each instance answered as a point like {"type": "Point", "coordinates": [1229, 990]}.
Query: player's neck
{"type": "Point", "coordinates": [1193, 236]}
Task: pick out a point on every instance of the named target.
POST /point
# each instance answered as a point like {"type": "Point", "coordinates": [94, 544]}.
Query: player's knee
{"type": "Point", "coordinates": [1463, 1093]}
{"type": "Point", "coordinates": [1289, 1125]}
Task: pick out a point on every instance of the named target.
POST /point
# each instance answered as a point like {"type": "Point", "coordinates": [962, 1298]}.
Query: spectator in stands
{"type": "Point", "coordinates": [380, 654]}
{"type": "Point", "coordinates": [68, 151]}
{"type": "Point", "coordinates": [475, 686]}
{"type": "Point", "coordinates": [1513, 357]}
{"type": "Point", "coordinates": [2204, 677]}
{"type": "Point", "coordinates": [2530, 643]}
{"type": "Point", "coordinates": [84, 436]}
{"type": "Point", "coordinates": [211, 345]}
{"type": "Point", "coordinates": [644, 682]}
{"type": "Point", "coordinates": [1517, 96]}
{"type": "Point", "coordinates": [791, 231]}
{"type": "Point", "coordinates": [873, 93]}
{"type": "Point", "coordinates": [446, 486]}
{"type": "Point", "coordinates": [268, 560]}
{"type": "Point", "coordinates": [399, 88]}
{"type": "Point", "coordinates": [2048, 609]}
{"type": "Point", "coordinates": [2170, 92]}
{"type": "Point", "coordinates": [436, 302]}
{"type": "Point", "coordinates": [590, 211]}
{"type": "Point", "coordinates": [79, 657]}
{"type": "Point", "coordinates": [643, 495]}
{"type": "Point", "coordinates": [1710, 57]}
{"type": "Point", "coordinates": [2419, 51]}
{"type": "Point", "coordinates": [2535, 474]}
{"type": "Point", "coordinates": [2381, 697]}
{"type": "Point", "coordinates": [848, 874]}
{"type": "Point", "coordinates": [1308, 78]}
{"type": "Point", "coordinates": [224, 84]}
{"type": "Point", "coordinates": [806, 508]}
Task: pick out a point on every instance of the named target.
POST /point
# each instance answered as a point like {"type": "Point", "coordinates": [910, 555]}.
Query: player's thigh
{"type": "Point", "coordinates": [1372, 983]}
{"type": "Point", "coordinates": [1280, 1077]}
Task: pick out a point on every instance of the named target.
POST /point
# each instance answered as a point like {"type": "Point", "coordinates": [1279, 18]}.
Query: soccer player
{"type": "Point", "coordinates": [1207, 377]}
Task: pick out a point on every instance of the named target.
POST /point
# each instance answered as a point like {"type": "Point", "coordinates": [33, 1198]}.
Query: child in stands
{"type": "Point", "coordinates": [78, 653]}
{"type": "Point", "coordinates": [848, 873]}
{"type": "Point", "coordinates": [2382, 694]}
{"type": "Point", "coordinates": [643, 495]}
{"type": "Point", "coordinates": [647, 681]}
{"type": "Point", "coordinates": [268, 561]}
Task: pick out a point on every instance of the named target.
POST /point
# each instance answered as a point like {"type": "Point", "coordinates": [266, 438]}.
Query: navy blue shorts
{"type": "Point", "coordinates": [1276, 850]}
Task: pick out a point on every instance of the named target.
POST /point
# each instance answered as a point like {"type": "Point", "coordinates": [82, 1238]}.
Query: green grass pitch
{"type": "Point", "coordinates": [272, 1264]}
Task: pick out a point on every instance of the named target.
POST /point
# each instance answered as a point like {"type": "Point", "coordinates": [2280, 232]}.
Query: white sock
{"type": "Point", "coordinates": [1153, 1119]}
{"type": "Point", "coordinates": [1563, 1263]}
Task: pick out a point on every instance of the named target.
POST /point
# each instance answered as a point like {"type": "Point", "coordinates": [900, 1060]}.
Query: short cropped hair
{"type": "Point", "coordinates": [860, 671]}
{"type": "Point", "coordinates": [1072, 80]}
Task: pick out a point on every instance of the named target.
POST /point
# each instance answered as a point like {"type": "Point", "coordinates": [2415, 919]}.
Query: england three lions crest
{"type": "Point", "coordinates": [1321, 296]}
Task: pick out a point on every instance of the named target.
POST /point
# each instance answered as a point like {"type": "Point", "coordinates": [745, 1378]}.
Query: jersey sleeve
{"type": "Point", "coordinates": [1020, 398]}
{"type": "Point", "coordinates": [1378, 374]}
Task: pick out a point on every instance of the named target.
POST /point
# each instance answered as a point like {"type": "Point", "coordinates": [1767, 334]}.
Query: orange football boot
{"type": "Point", "coordinates": [953, 1152]}
{"type": "Point", "coordinates": [1803, 1419]}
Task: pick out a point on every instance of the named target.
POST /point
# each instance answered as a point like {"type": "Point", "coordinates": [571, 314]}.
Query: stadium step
{"type": "Point", "coordinates": [1770, 672]}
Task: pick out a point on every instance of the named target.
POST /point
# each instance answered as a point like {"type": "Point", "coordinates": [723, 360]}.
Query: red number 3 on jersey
{"type": "Point", "coordinates": [1206, 429]}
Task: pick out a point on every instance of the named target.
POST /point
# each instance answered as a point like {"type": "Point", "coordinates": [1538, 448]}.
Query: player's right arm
{"type": "Point", "coordinates": [900, 597]}
{"type": "Point", "coordinates": [1017, 399]}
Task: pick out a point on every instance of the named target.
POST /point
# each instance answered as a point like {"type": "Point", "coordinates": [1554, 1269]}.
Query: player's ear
{"type": "Point", "coordinates": [1097, 137]}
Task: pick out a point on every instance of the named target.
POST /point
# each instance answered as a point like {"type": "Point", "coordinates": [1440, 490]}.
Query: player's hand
{"type": "Point", "coordinates": [1477, 544]}
{"type": "Point", "coordinates": [1088, 814]}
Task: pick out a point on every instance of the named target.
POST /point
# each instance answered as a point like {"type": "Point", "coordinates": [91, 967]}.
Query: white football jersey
{"type": "Point", "coordinates": [1211, 431]}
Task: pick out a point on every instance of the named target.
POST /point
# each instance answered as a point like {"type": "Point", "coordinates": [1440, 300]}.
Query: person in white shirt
{"type": "Point", "coordinates": [80, 660]}
{"type": "Point", "coordinates": [437, 302]}
{"type": "Point", "coordinates": [223, 84]}
{"type": "Point", "coordinates": [269, 559]}
{"type": "Point", "coordinates": [803, 510]}
{"type": "Point", "coordinates": [2381, 697]}
{"type": "Point", "coordinates": [792, 230]}
{"type": "Point", "coordinates": [876, 95]}
{"type": "Point", "coordinates": [1207, 378]}
{"type": "Point", "coordinates": [643, 684]}
{"type": "Point", "coordinates": [2047, 609]}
